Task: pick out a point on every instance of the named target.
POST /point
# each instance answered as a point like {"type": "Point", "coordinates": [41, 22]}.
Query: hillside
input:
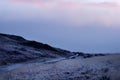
{"type": "Point", "coordinates": [22, 59]}
{"type": "Point", "coordinates": [14, 49]}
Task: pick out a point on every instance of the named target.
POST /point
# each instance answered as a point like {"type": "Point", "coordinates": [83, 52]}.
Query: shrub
{"type": "Point", "coordinates": [104, 78]}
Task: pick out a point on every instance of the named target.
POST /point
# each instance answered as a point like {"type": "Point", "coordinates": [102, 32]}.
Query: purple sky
{"type": "Point", "coordinates": [76, 25]}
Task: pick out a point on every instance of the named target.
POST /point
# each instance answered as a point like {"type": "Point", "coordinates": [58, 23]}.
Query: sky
{"type": "Point", "coordinates": [91, 26]}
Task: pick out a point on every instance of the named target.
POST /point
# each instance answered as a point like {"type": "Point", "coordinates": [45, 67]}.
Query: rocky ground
{"type": "Point", "coordinates": [95, 68]}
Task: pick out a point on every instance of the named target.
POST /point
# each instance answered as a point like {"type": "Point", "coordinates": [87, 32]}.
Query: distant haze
{"type": "Point", "coordinates": [91, 26]}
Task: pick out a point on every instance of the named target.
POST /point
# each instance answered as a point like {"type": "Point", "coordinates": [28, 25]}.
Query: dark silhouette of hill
{"type": "Point", "coordinates": [14, 49]}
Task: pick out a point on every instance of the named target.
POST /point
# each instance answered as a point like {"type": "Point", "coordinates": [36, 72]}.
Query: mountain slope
{"type": "Point", "coordinates": [14, 49]}
{"type": "Point", "coordinates": [43, 62]}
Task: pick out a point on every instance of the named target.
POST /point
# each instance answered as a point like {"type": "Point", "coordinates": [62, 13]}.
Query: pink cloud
{"type": "Point", "coordinates": [61, 4]}
{"type": "Point", "coordinates": [69, 12]}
